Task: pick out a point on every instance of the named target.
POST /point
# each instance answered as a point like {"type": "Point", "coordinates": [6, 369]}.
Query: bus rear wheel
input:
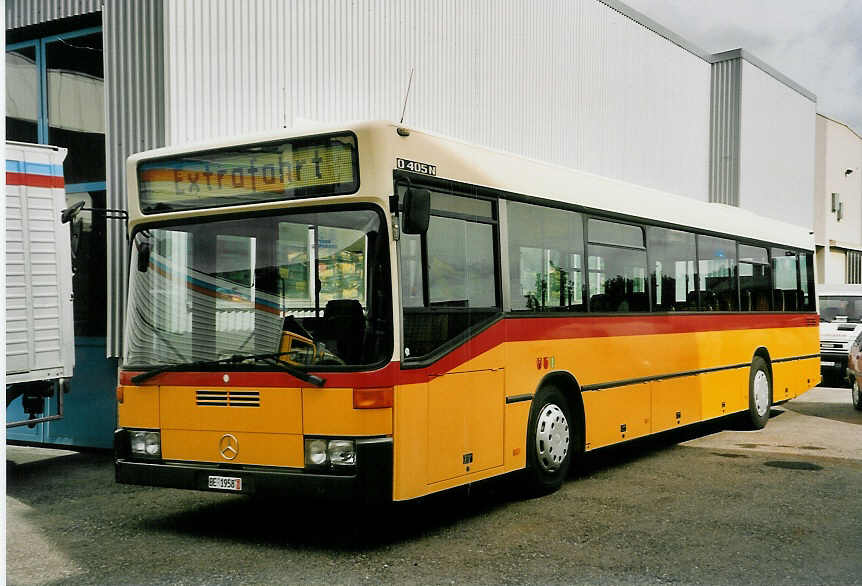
{"type": "Point", "coordinates": [551, 441]}
{"type": "Point", "coordinates": [759, 393]}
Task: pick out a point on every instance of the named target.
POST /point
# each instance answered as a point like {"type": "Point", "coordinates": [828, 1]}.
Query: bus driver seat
{"type": "Point", "coordinates": [344, 323]}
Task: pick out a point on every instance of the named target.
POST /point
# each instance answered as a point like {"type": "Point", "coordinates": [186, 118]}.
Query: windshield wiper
{"type": "Point", "coordinates": [273, 357]}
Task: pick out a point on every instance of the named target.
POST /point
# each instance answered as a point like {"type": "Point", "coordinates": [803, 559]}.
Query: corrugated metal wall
{"type": "Point", "coordinates": [853, 272]}
{"type": "Point", "coordinates": [725, 89]}
{"type": "Point", "coordinates": [135, 111]}
{"type": "Point", "coordinates": [582, 84]}
{"type": "Point", "coordinates": [21, 13]}
{"type": "Point", "coordinates": [776, 157]}
{"type": "Point", "coordinates": [574, 83]}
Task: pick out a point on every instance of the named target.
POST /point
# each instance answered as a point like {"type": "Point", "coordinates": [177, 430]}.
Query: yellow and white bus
{"type": "Point", "coordinates": [378, 313]}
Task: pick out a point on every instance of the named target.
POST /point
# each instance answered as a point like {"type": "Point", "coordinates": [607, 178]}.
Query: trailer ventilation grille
{"type": "Point", "coordinates": [228, 398]}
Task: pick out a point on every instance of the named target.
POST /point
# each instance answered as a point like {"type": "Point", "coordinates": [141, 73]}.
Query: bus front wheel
{"type": "Point", "coordinates": [551, 440]}
{"type": "Point", "coordinates": [759, 393]}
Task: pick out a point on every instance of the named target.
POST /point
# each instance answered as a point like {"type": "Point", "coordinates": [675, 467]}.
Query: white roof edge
{"type": "Point", "coordinates": [33, 145]}
{"type": "Point", "coordinates": [726, 219]}
{"type": "Point", "coordinates": [557, 183]}
{"type": "Point", "coordinates": [710, 58]}
{"type": "Point", "coordinates": [304, 129]}
{"type": "Point", "coordinates": [657, 28]}
{"type": "Point", "coordinates": [838, 122]}
{"type": "Point", "coordinates": [838, 289]}
{"type": "Point", "coordinates": [843, 245]}
{"type": "Point", "coordinates": [765, 67]}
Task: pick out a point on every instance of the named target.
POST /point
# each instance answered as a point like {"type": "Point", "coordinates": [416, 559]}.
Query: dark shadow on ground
{"type": "Point", "coordinates": [843, 412]}
{"type": "Point", "coordinates": [622, 454]}
{"type": "Point", "coordinates": [357, 528]}
{"type": "Point", "coordinates": [50, 480]}
{"type": "Point", "coordinates": [285, 522]}
{"type": "Point", "coordinates": [344, 527]}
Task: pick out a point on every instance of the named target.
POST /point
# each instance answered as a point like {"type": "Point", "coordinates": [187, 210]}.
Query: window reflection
{"type": "Point", "coordinates": [76, 105]}
{"type": "Point", "coordinates": [672, 257]}
{"type": "Point", "coordinates": [717, 270]}
{"type": "Point", "coordinates": [546, 256]}
{"type": "Point", "coordinates": [22, 95]}
{"type": "Point", "coordinates": [89, 264]}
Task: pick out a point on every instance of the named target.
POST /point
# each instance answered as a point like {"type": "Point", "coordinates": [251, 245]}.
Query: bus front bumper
{"type": "Point", "coordinates": [369, 482]}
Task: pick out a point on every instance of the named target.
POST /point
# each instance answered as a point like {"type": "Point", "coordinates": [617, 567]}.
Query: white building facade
{"type": "Point", "coordinates": [591, 85]}
{"type": "Point", "coordinates": [838, 203]}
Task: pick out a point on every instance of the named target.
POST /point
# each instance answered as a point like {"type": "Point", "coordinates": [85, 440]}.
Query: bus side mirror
{"type": "Point", "coordinates": [143, 256]}
{"type": "Point", "coordinates": [417, 211]}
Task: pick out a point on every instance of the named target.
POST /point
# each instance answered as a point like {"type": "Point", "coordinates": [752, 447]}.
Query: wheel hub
{"type": "Point", "coordinates": [552, 437]}
{"type": "Point", "coordinates": [761, 392]}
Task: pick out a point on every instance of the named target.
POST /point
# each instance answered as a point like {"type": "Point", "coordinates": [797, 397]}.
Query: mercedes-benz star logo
{"type": "Point", "coordinates": [228, 447]}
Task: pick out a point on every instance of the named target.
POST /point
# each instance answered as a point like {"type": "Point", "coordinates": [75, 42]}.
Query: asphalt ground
{"type": "Point", "coordinates": [709, 504]}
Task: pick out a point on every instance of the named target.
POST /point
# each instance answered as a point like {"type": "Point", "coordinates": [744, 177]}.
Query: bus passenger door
{"type": "Point", "coordinates": [465, 423]}
{"type": "Point", "coordinates": [451, 298]}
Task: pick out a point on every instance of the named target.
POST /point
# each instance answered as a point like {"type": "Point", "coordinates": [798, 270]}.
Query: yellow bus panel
{"type": "Point", "coordinates": [465, 423]}
{"type": "Point", "coordinates": [617, 414]}
{"type": "Point", "coordinates": [267, 410]}
{"type": "Point", "coordinates": [139, 407]}
{"type": "Point", "coordinates": [261, 449]}
{"type": "Point", "coordinates": [330, 412]}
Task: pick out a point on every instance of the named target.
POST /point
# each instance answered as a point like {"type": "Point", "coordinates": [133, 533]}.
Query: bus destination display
{"type": "Point", "coordinates": [319, 166]}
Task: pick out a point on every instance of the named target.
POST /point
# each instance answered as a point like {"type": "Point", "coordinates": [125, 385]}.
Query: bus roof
{"type": "Point", "coordinates": [468, 163]}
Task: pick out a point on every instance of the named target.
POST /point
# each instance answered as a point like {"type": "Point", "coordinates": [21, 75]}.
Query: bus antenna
{"type": "Point", "coordinates": [409, 84]}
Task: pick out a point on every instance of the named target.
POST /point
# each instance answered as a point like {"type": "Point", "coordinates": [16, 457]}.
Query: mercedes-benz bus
{"type": "Point", "coordinates": [377, 313]}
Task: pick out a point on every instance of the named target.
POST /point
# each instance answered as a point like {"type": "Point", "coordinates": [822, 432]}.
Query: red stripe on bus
{"type": "Point", "coordinates": [385, 376]}
{"type": "Point", "coordinates": [512, 329]}
{"type": "Point", "coordinates": [31, 180]}
{"type": "Point", "coordinates": [524, 329]}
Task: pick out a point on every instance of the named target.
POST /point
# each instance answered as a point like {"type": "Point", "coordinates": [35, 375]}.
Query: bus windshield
{"type": "Point", "coordinates": [839, 307]}
{"type": "Point", "coordinates": [313, 286]}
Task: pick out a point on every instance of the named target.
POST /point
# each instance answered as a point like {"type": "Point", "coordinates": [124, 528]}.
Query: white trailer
{"type": "Point", "coordinates": [40, 337]}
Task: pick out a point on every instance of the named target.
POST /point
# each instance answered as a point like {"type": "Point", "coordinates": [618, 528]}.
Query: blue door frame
{"type": "Point", "coordinates": [89, 408]}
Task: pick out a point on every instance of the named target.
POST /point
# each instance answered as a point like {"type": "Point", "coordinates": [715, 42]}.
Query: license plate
{"type": "Point", "coordinates": [224, 483]}
{"type": "Point", "coordinates": [826, 363]}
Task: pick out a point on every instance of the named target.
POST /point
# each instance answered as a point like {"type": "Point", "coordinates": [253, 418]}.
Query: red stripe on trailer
{"type": "Point", "coordinates": [31, 180]}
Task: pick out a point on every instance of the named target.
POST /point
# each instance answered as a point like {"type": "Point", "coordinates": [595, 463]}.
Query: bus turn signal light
{"type": "Point", "coordinates": [376, 398]}
{"type": "Point", "coordinates": [120, 394]}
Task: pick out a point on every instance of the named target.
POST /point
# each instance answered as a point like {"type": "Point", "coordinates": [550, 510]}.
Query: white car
{"type": "Point", "coordinates": [840, 326]}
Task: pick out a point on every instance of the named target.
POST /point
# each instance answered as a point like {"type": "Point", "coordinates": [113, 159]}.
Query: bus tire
{"type": "Point", "coordinates": [856, 394]}
{"type": "Point", "coordinates": [551, 438]}
{"type": "Point", "coordinates": [759, 393]}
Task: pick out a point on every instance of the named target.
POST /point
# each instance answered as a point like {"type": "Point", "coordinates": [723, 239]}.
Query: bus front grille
{"type": "Point", "coordinates": [228, 398]}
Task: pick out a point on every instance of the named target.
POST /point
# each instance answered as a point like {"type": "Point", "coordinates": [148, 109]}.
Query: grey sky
{"type": "Point", "coordinates": [816, 43]}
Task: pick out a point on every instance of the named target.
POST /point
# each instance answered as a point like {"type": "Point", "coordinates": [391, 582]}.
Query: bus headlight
{"type": "Point", "coordinates": [315, 452]}
{"type": "Point", "coordinates": [341, 452]}
{"type": "Point", "coordinates": [145, 444]}
{"type": "Point", "coordinates": [330, 452]}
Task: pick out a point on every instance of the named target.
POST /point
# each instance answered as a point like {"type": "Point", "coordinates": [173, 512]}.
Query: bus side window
{"type": "Point", "coordinates": [786, 280]}
{"type": "Point", "coordinates": [617, 267]}
{"type": "Point", "coordinates": [672, 257]}
{"type": "Point", "coordinates": [716, 258]}
{"type": "Point", "coordinates": [806, 280]}
{"type": "Point", "coordinates": [546, 258]}
{"type": "Point", "coordinates": [754, 278]}
{"type": "Point", "coordinates": [453, 286]}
